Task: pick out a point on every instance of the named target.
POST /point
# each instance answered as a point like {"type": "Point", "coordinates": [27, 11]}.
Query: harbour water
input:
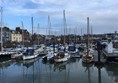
{"type": "Point", "coordinates": [73, 71]}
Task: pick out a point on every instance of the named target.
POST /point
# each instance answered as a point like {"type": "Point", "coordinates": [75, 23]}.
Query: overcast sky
{"type": "Point", "coordinates": [103, 14]}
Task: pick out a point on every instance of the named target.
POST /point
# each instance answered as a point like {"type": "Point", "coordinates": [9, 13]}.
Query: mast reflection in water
{"type": "Point", "coordinates": [73, 71]}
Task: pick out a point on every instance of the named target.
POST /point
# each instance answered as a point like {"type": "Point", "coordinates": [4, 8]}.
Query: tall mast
{"type": "Point", "coordinates": [87, 36]}
{"type": "Point", "coordinates": [91, 34]}
{"type": "Point", "coordinates": [32, 28]}
{"type": "Point", "coordinates": [64, 26]}
{"type": "Point", "coordinates": [76, 34]}
{"type": "Point", "coordinates": [49, 31]}
{"type": "Point", "coordinates": [22, 32]}
{"type": "Point", "coordinates": [1, 27]}
{"type": "Point", "coordinates": [81, 34]}
{"type": "Point", "coordinates": [75, 30]}
{"type": "Point", "coordinates": [38, 33]}
{"type": "Point", "coordinates": [49, 25]}
{"type": "Point", "coordinates": [69, 35]}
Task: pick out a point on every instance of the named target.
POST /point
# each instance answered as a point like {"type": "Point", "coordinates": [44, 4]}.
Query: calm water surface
{"type": "Point", "coordinates": [73, 71]}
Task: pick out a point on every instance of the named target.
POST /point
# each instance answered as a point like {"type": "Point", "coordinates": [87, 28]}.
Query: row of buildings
{"type": "Point", "coordinates": [23, 36]}
{"type": "Point", "coordinates": [11, 38]}
{"type": "Point", "coordinates": [17, 35]}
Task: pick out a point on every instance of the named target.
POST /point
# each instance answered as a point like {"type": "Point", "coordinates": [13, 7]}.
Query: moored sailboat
{"type": "Point", "coordinates": [63, 55]}
{"type": "Point", "coordinates": [87, 57]}
{"type": "Point", "coordinates": [30, 52]}
{"type": "Point", "coordinates": [3, 53]}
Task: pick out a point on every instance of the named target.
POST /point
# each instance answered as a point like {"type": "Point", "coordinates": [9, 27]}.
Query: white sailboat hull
{"type": "Point", "coordinates": [16, 55]}
{"type": "Point", "coordinates": [66, 57]}
{"type": "Point", "coordinates": [50, 55]}
{"type": "Point", "coordinates": [30, 56]}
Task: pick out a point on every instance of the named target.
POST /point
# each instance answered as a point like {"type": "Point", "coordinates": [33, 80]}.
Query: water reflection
{"type": "Point", "coordinates": [29, 63]}
{"type": "Point", "coordinates": [99, 75]}
{"type": "Point", "coordinates": [5, 63]}
{"type": "Point", "coordinates": [88, 69]}
{"type": "Point", "coordinates": [60, 66]}
{"type": "Point", "coordinates": [112, 71]}
{"type": "Point", "coordinates": [74, 60]}
{"type": "Point", "coordinates": [73, 71]}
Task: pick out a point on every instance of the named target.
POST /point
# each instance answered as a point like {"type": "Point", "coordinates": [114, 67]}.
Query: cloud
{"type": "Point", "coordinates": [102, 13]}
{"type": "Point", "coordinates": [49, 1]}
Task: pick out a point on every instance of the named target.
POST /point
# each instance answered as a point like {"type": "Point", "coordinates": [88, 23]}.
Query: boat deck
{"type": "Point", "coordinates": [5, 53]}
{"type": "Point", "coordinates": [109, 54]}
{"type": "Point", "coordinates": [110, 57]}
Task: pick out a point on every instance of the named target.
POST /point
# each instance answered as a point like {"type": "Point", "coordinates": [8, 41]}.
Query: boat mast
{"type": "Point", "coordinates": [32, 28]}
{"type": "Point", "coordinates": [49, 25]}
{"type": "Point", "coordinates": [81, 34]}
{"type": "Point", "coordinates": [22, 32]}
{"type": "Point", "coordinates": [38, 33]}
{"type": "Point", "coordinates": [91, 34]}
{"type": "Point", "coordinates": [87, 36]}
{"type": "Point", "coordinates": [75, 31]}
{"type": "Point", "coordinates": [64, 28]}
{"type": "Point", "coordinates": [1, 28]}
{"type": "Point", "coordinates": [69, 35]}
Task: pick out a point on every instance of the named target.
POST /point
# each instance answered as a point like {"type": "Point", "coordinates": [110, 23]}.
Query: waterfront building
{"type": "Point", "coordinates": [25, 35]}
{"type": "Point", "coordinates": [16, 36]}
{"type": "Point", "coordinates": [20, 35]}
{"type": "Point", "coordinates": [6, 34]}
